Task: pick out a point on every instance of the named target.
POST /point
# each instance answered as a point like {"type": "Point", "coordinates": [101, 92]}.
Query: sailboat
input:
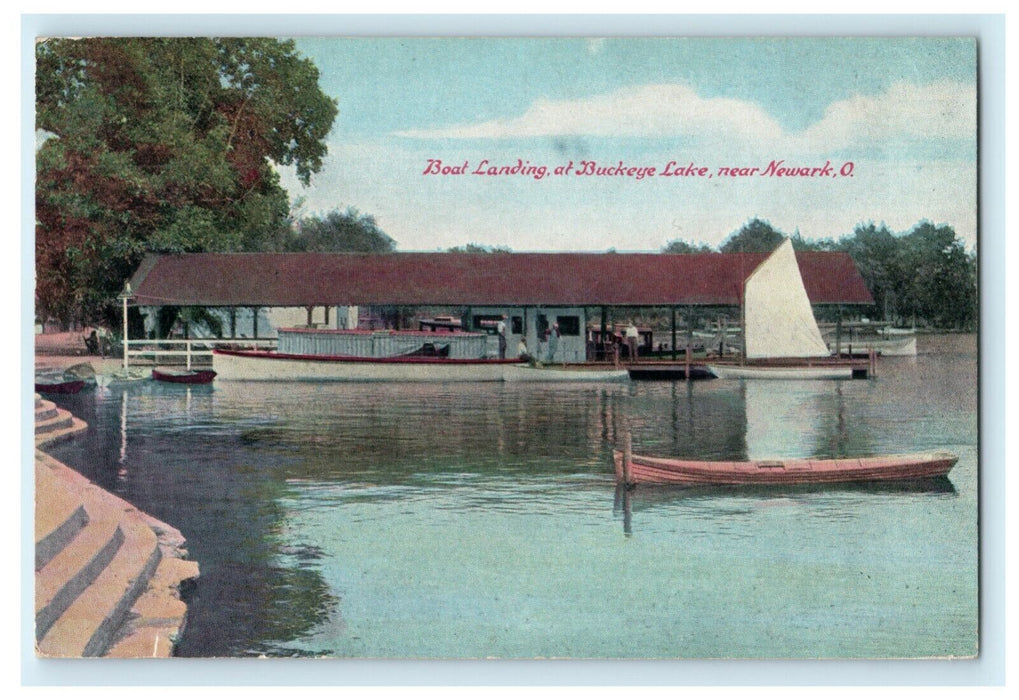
{"type": "Point", "coordinates": [781, 339]}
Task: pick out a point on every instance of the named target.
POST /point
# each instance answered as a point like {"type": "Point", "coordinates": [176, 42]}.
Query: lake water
{"type": "Point", "coordinates": [455, 521]}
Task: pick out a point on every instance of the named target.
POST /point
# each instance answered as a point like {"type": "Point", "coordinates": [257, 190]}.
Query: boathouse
{"type": "Point", "coordinates": [533, 290]}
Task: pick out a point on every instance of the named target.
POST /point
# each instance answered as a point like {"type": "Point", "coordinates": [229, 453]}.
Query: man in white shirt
{"type": "Point", "coordinates": [501, 330]}
{"type": "Point", "coordinates": [632, 337]}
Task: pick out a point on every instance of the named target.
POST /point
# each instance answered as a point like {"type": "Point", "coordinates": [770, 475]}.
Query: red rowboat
{"type": "Point", "coordinates": [47, 385]}
{"type": "Point", "coordinates": [661, 470]}
{"type": "Point", "coordinates": [184, 376]}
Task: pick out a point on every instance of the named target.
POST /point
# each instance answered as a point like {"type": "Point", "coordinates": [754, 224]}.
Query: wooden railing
{"type": "Point", "coordinates": [188, 348]}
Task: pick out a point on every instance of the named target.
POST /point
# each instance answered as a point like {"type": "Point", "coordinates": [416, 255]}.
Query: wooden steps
{"type": "Point", "coordinates": [107, 577]}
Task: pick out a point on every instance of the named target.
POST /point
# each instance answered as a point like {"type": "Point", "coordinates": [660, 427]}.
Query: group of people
{"type": "Point", "coordinates": [552, 336]}
{"type": "Point", "coordinates": [631, 336]}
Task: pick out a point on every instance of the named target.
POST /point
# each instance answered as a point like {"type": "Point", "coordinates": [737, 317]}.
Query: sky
{"type": "Point", "coordinates": [884, 128]}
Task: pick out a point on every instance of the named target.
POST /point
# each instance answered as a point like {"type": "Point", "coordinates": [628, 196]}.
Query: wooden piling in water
{"type": "Point", "coordinates": [627, 452]}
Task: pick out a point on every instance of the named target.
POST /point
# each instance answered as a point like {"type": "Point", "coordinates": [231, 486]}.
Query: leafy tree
{"type": "Point", "coordinates": [479, 248]}
{"type": "Point", "coordinates": [755, 236]}
{"type": "Point", "coordinates": [874, 249]}
{"type": "Point", "coordinates": [682, 247]}
{"type": "Point", "coordinates": [924, 276]}
{"type": "Point", "coordinates": [937, 280]}
{"type": "Point", "coordinates": [346, 231]}
{"type": "Point", "coordinates": [822, 244]}
{"type": "Point", "coordinates": [163, 144]}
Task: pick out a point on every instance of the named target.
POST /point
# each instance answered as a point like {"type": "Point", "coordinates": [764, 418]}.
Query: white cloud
{"type": "Point", "coordinates": [903, 112]}
{"type": "Point", "coordinates": [945, 110]}
{"type": "Point", "coordinates": [644, 111]}
{"type": "Point", "coordinates": [432, 213]}
{"type": "Point", "coordinates": [909, 145]}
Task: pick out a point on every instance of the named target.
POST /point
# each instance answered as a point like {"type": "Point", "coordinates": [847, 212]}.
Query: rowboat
{"type": "Point", "coordinates": [184, 376]}
{"type": "Point", "coordinates": [58, 385]}
{"type": "Point", "coordinates": [640, 469]}
{"type": "Point", "coordinates": [122, 376]}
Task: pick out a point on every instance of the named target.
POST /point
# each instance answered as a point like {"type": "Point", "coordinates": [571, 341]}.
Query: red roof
{"type": "Point", "coordinates": [476, 279]}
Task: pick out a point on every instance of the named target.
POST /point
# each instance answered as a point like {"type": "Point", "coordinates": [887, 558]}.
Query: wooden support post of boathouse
{"type": "Point", "coordinates": [689, 333]}
{"type": "Point", "coordinates": [838, 334]}
{"type": "Point", "coordinates": [674, 335]}
{"type": "Point", "coordinates": [604, 337]}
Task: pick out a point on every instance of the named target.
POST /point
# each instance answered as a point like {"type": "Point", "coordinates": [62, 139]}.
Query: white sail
{"type": "Point", "coordinates": [778, 319]}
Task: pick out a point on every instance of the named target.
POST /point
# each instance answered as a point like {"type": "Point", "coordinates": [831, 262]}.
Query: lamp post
{"type": "Point", "coordinates": [123, 297]}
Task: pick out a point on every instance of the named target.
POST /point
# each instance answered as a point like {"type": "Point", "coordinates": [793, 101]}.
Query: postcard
{"type": "Point", "coordinates": [507, 348]}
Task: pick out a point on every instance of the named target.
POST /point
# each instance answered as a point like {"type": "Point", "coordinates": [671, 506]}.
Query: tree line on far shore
{"type": "Point", "coordinates": [171, 145]}
{"type": "Point", "coordinates": [922, 277]}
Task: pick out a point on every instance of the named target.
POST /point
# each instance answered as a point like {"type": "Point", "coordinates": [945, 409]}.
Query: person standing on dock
{"type": "Point", "coordinates": [631, 341]}
{"type": "Point", "coordinates": [501, 330]}
{"type": "Point", "coordinates": [613, 351]}
{"type": "Point", "coordinates": [553, 341]}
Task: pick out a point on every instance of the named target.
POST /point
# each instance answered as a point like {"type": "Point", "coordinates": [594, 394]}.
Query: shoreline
{"type": "Point", "coordinates": [108, 576]}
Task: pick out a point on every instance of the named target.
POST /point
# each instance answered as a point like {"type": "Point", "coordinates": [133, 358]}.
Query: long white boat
{"type": "Point", "coordinates": [891, 346]}
{"type": "Point", "coordinates": [557, 373]}
{"type": "Point", "coordinates": [260, 365]}
{"type": "Point", "coordinates": [795, 372]}
{"type": "Point", "coordinates": [884, 340]}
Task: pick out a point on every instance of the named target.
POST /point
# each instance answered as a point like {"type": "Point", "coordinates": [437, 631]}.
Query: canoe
{"type": "Point", "coordinates": [58, 385]}
{"type": "Point", "coordinates": [663, 470]}
{"type": "Point", "coordinates": [184, 376]}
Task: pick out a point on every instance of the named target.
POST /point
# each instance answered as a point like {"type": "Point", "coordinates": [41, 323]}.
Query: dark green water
{"type": "Point", "coordinates": [451, 521]}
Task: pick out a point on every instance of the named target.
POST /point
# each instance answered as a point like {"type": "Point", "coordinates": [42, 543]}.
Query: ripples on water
{"type": "Point", "coordinates": [443, 521]}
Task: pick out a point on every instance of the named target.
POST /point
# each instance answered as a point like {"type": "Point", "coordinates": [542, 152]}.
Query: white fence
{"type": "Point", "coordinates": [188, 348]}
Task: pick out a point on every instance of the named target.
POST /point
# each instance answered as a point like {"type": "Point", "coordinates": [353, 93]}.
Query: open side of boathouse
{"type": "Point", "coordinates": [533, 290]}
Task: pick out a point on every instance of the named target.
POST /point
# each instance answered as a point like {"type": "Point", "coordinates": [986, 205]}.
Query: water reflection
{"type": "Point", "coordinates": [648, 497]}
{"type": "Point", "coordinates": [387, 434]}
{"type": "Point", "coordinates": [801, 419]}
{"type": "Point", "coordinates": [317, 510]}
{"type": "Point", "coordinates": [162, 449]}
{"type": "Point", "coordinates": [623, 504]}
